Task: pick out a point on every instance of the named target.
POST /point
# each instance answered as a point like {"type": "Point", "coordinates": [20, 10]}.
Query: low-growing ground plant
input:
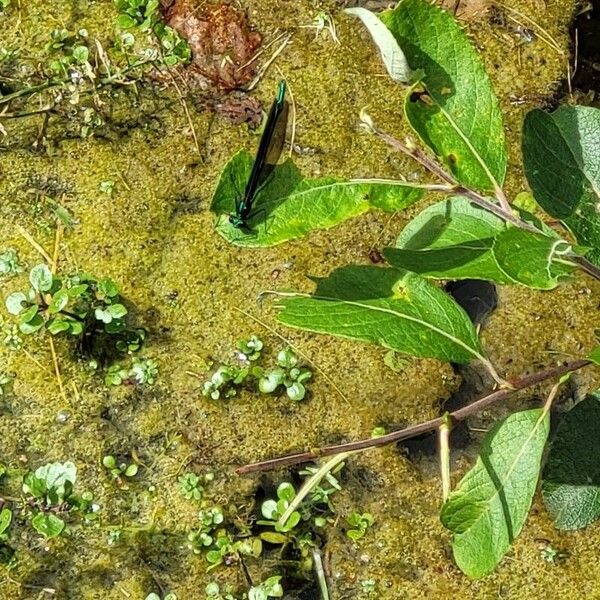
{"type": "Point", "coordinates": [88, 310]}
{"type": "Point", "coordinates": [249, 373]}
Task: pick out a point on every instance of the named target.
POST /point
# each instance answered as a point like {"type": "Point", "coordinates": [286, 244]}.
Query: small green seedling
{"type": "Point", "coordinates": [274, 509]}
{"type": "Point", "coordinates": [144, 371]}
{"type": "Point", "coordinates": [107, 187]}
{"type": "Point", "coordinates": [153, 596]}
{"type": "Point", "coordinates": [270, 588]}
{"type": "Point", "coordinates": [82, 307]}
{"type": "Point", "coordinates": [210, 519]}
{"type": "Point", "coordinates": [249, 350]}
{"type": "Point", "coordinates": [119, 470]}
{"type": "Point", "coordinates": [224, 381]}
{"type": "Point", "coordinates": [191, 485]}
{"type": "Point", "coordinates": [288, 374]}
{"type": "Point", "coordinates": [359, 523]}
{"type": "Point", "coordinates": [227, 379]}
{"type": "Point", "coordinates": [145, 16]}
{"type": "Point", "coordinates": [9, 263]}
{"type": "Point", "coordinates": [226, 550]}
{"type": "Point", "coordinates": [50, 492]}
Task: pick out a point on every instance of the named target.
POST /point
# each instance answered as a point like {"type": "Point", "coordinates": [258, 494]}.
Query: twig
{"type": "Point", "coordinates": [54, 268]}
{"type": "Point", "coordinates": [187, 113]}
{"type": "Point", "coordinates": [310, 484]}
{"type": "Point", "coordinates": [415, 430]}
{"type": "Point", "coordinates": [264, 68]}
{"type": "Point", "coordinates": [25, 234]}
{"type": "Point", "coordinates": [320, 573]}
{"type": "Point", "coordinates": [444, 437]}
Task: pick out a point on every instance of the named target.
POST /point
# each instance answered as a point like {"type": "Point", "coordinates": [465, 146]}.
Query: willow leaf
{"type": "Point", "coordinates": [458, 116]}
{"type": "Point", "coordinates": [571, 486]}
{"type": "Point", "coordinates": [487, 510]}
{"type": "Point", "coordinates": [390, 307]}
{"type": "Point", "coordinates": [289, 206]}
{"type": "Point", "coordinates": [561, 156]}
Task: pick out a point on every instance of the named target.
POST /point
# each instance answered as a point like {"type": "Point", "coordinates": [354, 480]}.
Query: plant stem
{"type": "Point", "coordinates": [311, 483]}
{"type": "Point", "coordinates": [444, 437]}
{"type": "Point", "coordinates": [415, 430]}
{"type": "Point", "coordinates": [320, 573]}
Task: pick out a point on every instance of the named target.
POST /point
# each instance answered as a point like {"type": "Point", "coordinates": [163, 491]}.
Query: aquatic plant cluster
{"type": "Point", "coordinates": [475, 232]}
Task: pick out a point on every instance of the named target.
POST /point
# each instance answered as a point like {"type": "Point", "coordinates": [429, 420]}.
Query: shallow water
{"type": "Point", "coordinates": [155, 236]}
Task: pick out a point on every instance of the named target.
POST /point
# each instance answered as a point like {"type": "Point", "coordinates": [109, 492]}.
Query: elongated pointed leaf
{"type": "Point", "coordinates": [490, 504]}
{"type": "Point", "coordinates": [393, 58]}
{"type": "Point", "coordinates": [456, 239]}
{"type": "Point", "coordinates": [390, 307]}
{"type": "Point", "coordinates": [532, 259]}
{"type": "Point", "coordinates": [459, 117]}
{"type": "Point", "coordinates": [452, 239]}
{"type": "Point", "coordinates": [561, 155]}
{"type": "Point", "coordinates": [289, 206]}
{"type": "Point", "coordinates": [571, 487]}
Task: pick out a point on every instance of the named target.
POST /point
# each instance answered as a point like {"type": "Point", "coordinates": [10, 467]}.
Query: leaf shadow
{"type": "Point", "coordinates": [485, 456]}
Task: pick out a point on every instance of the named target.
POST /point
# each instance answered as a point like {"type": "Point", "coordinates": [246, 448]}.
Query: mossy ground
{"type": "Point", "coordinates": [155, 236]}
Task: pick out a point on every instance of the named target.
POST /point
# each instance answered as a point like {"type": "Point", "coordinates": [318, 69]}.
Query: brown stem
{"type": "Point", "coordinates": [415, 430]}
{"type": "Point", "coordinates": [590, 268]}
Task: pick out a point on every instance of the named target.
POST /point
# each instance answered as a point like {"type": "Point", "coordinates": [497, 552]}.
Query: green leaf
{"type": "Point", "coordinates": [29, 314]}
{"type": "Point", "coordinates": [289, 206]}
{"type": "Point", "coordinates": [594, 355]}
{"type": "Point", "coordinates": [41, 278]}
{"type": "Point", "coordinates": [49, 525]}
{"type": "Point", "coordinates": [393, 58]}
{"type": "Point", "coordinates": [455, 239]}
{"type": "Point", "coordinates": [390, 307]}
{"type": "Point", "coordinates": [59, 301]}
{"type": "Point", "coordinates": [535, 260]}
{"type": "Point", "coordinates": [487, 510]}
{"type": "Point", "coordinates": [561, 155]}
{"type": "Point", "coordinates": [452, 239]}
{"type": "Point", "coordinates": [571, 486]}
{"type": "Point", "coordinates": [58, 325]}
{"type": "Point", "coordinates": [108, 288]}
{"type": "Point", "coordinates": [81, 53]}
{"type": "Point", "coordinates": [5, 519]}
{"type": "Point", "coordinates": [14, 303]}
{"type": "Point", "coordinates": [31, 326]}
{"type": "Point", "coordinates": [459, 116]}
{"type": "Point", "coordinates": [126, 22]}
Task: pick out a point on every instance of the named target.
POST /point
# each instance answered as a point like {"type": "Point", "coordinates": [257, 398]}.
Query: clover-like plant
{"type": "Point", "coordinates": [192, 486]}
{"type": "Point", "coordinates": [145, 15]}
{"type": "Point", "coordinates": [9, 263]}
{"type": "Point", "coordinates": [120, 471]}
{"type": "Point", "coordinates": [359, 524]}
{"type": "Point", "coordinates": [50, 495]}
{"type": "Point", "coordinates": [287, 374]}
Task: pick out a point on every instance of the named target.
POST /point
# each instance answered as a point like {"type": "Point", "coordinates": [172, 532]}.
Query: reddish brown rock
{"type": "Point", "coordinates": [221, 39]}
